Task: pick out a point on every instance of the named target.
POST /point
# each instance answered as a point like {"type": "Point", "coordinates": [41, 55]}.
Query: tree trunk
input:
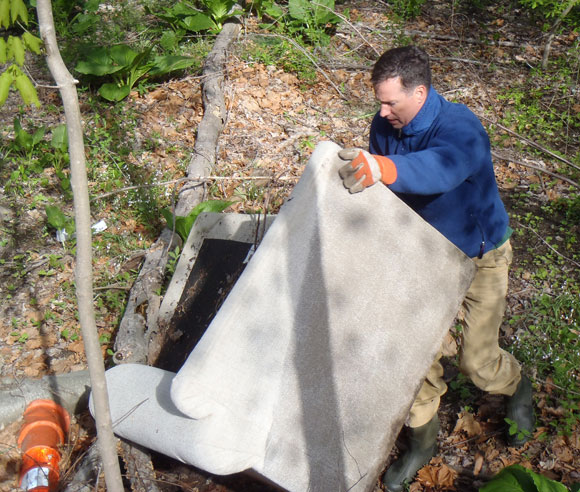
{"type": "Point", "coordinates": [83, 269]}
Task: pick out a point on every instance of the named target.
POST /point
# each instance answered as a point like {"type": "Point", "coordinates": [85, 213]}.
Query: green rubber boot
{"type": "Point", "coordinates": [421, 447]}
{"type": "Point", "coordinates": [520, 409]}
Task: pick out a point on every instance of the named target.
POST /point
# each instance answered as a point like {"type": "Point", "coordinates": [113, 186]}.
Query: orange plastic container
{"type": "Point", "coordinates": [46, 425]}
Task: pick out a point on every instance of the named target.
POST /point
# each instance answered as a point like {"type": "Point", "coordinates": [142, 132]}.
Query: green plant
{"type": "Point", "coordinates": [280, 52]}
{"type": "Point", "coordinates": [56, 219]}
{"type": "Point", "coordinates": [183, 225]}
{"type": "Point", "coordinates": [127, 66]}
{"type": "Point", "coordinates": [172, 260]}
{"type": "Point", "coordinates": [407, 9]}
{"type": "Point", "coordinates": [182, 17]}
{"type": "Point", "coordinates": [13, 21]}
{"type": "Point", "coordinates": [516, 478]}
{"type": "Point", "coordinates": [514, 430]}
{"type": "Point", "coordinates": [461, 385]}
{"type": "Point", "coordinates": [309, 21]}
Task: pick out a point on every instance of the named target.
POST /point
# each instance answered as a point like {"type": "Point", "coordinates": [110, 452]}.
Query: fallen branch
{"type": "Point", "coordinates": [446, 37]}
{"type": "Point", "coordinates": [536, 168]}
{"type": "Point", "coordinates": [532, 143]}
{"type": "Point", "coordinates": [200, 180]}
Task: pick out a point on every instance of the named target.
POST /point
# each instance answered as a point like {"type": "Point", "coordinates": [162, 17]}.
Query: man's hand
{"type": "Point", "coordinates": [365, 169]}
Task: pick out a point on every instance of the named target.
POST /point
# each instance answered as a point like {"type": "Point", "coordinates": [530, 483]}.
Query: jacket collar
{"type": "Point", "coordinates": [426, 115]}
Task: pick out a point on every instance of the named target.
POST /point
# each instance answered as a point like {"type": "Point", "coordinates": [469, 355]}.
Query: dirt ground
{"type": "Point", "coordinates": [273, 122]}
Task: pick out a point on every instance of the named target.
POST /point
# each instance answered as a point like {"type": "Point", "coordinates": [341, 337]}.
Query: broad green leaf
{"type": "Point", "coordinates": [165, 64]}
{"type": "Point", "coordinates": [59, 138]}
{"type": "Point", "coordinates": [5, 14]}
{"type": "Point", "coordinates": [33, 43]}
{"type": "Point", "coordinates": [38, 135]}
{"type": "Point", "coordinates": [274, 11]}
{"type": "Point", "coordinates": [122, 55]}
{"type": "Point", "coordinates": [299, 9]}
{"type": "Point", "coordinates": [3, 51]}
{"type": "Point", "coordinates": [168, 40]}
{"type": "Point", "coordinates": [55, 217]}
{"type": "Point", "coordinates": [6, 80]}
{"type": "Point", "coordinates": [27, 90]}
{"type": "Point", "coordinates": [113, 92]}
{"type": "Point", "coordinates": [544, 484]}
{"type": "Point", "coordinates": [183, 225]}
{"type": "Point", "coordinates": [183, 10]}
{"type": "Point", "coordinates": [97, 62]}
{"type": "Point", "coordinates": [18, 10]}
{"type": "Point", "coordinates": [83, 22]}
{"type": "Point", "coordinates": [15, 50]}
{"type": "Point", "coordinates": [575, 487]}
{"type": "Point", "coordinates": [168, 216]}
{"type": "Point", "coordinates": [513, 478]}
{"type": "Point", "coordinates": [198, 22]}
{"type": "Point", "coordinates": [22, 139]}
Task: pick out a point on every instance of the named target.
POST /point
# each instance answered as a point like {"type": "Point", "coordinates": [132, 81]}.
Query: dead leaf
{"type": "Point", "coordinates": [468, 424]}
{"type": "Point", "coordinates": [479, 459]}
{"type": "Point", "coordinates": [441, 476]}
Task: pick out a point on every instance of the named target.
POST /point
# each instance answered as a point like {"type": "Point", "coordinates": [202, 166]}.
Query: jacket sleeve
{"type": "Point", "coordinates": [455, 151]}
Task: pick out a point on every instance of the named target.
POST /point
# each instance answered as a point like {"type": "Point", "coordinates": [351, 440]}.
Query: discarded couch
{"type": "Point", "coordinates": [308, 370]}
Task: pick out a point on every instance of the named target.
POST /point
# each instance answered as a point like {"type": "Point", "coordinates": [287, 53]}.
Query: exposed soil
{"type": "Point", "coordinates": [273, 122]}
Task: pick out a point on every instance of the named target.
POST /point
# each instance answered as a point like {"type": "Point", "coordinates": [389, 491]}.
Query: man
{"type": "Point", "coordinates": [436, 156]}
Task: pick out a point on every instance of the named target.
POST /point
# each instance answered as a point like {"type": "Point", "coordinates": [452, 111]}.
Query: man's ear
{"type": "Point", "coordinates": [420, 93]}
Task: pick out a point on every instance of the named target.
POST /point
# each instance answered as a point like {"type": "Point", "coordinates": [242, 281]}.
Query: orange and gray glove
{"type": "Point", "coordinates": [365, 169]}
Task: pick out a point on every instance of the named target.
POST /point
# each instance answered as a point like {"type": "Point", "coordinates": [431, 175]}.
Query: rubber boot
{"type": "Point", "coordinates": [520, 409]}
{"type": "Point", "coordinates": [421, 447]}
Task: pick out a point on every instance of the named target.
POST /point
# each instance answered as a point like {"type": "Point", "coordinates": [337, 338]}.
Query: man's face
{"type": "Point", "coordinates": [398, 105]}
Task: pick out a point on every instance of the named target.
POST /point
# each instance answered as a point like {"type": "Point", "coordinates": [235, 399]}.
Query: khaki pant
{"type": "Point", "coordinates": [481, 359]}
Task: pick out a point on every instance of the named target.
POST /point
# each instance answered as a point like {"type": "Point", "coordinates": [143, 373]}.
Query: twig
{"type": "Point", "coordinates": [113, 287]}
{"type": "Point", "coordinates": [344, 19]}
{"type": "Point", "coordinates": [462, 60]}
{"type": "Point", "coordinates": [548, 383]}
{"type": "Point", "coordinates": [445, 37]}
{"type": "Point", "coordinates": [197, 180]}
{"type": "Point", "coordinates": [537, 168]}
{"type": "Point", "coordinates": [474, 438]}
{"type": "Point", "coordinates": [548, 244]}
{"type": "Point", "coordinates": [532, 143]}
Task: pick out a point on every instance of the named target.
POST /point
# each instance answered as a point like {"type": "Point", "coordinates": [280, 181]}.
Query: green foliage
{"type": "Point", "coordinates": [407, 9]}
{"type": "Point", "coordinates": [36, 153]}
{"type": "Point", "coordinates": [516, 478]}
{"type": "Point", "coordinates": [540, 108]}
{"type": "Point", "coordinates": [64, 225]}
{"type": "Point", "coordinates": [514, 430]}
{"type": "Point", "coordinates": [550, 344]}
{"type": "Point", "coordinates": [126, 66]}
{"type": "Point", "coordinates": [13, 20]}
{"type": "Point", "coordinates": [280, 52]}
{"type": "Point", "coordinates": [182, 17]}
{"type": "Point", "coordinates": [549, 9]}
{"type": "Point", "coordinates": [311, 22]}
{"type": "Point", "coordinates": [183, 225]}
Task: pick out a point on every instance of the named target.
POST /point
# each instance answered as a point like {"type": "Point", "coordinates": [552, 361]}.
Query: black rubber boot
{"type": "Point", "coordinates": [520, 409]}
{"type": "Point", "coordinates": [421, 447]}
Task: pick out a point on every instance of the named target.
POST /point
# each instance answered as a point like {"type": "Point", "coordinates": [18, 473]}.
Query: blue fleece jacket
{"type": "Point", "coordinates": [445, 172]}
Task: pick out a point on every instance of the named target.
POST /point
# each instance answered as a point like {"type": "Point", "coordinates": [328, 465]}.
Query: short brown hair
{"type": "Point", "coordinates": [410, 63]}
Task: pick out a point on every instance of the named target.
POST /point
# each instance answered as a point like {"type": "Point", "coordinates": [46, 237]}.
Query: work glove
{"type": "Point", "coordinates": [365, 169]}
